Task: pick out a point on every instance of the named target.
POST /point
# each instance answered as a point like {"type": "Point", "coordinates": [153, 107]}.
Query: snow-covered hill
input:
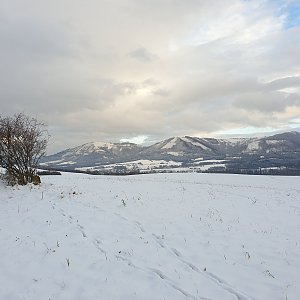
{"type": "Point", "coordinates": [159, 236]}
{"type": "Point", "coordinates": [281, 151]}
{"type": "Point", "coordinates": [90, 154]}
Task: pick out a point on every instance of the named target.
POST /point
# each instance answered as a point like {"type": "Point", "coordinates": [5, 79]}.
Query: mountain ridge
{"type": "Point", "coordinates": [279, 150]}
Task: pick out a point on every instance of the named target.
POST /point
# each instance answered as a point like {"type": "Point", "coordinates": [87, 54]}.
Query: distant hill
{"type": "Point", "coordinates": [279, 153]}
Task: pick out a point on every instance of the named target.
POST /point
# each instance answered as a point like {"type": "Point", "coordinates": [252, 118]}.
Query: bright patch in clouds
{"type": "Point", "coordinates": [136, 140]}
{"type": "Point", "coordinates": [143, 92]}
{"type": "Point", "coordinates": [245, 131]}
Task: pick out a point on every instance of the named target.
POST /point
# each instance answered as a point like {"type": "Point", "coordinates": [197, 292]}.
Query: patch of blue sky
{"type": "Point", "coordinates": [293, 15]}
{"type": "Point", "coordinates": [290, 10]}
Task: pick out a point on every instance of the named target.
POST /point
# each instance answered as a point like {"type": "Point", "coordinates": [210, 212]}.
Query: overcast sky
{"type": "Point", "coordinates": [110, 70]}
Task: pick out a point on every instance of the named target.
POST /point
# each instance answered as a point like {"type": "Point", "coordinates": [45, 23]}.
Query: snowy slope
{"type": "Point", "coordinates": [89, 154]}
{"type": "Point", "coordinates": [182, 145]}
{"type": "Point", "coordinates": [174, 236]}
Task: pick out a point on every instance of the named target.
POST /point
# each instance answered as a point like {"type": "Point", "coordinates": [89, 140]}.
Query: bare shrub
{"type": "Point", "coordinates": [23, 141]}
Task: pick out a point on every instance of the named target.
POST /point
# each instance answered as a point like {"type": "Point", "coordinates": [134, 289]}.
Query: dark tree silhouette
{"type": "Point", "coordinates": [23, 141]}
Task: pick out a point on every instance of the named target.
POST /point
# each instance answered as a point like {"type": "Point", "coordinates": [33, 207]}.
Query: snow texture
{"type": "Point", "coordinates": [141, 164]}
{"type": "Point", "coordinates": [158, 236]}
{"type": "Point", "coordinates": [254, 146]}
{"type": "Point", "coordinates": [171, 144]}
{"type": "Point", "coordinates": [195, 143]}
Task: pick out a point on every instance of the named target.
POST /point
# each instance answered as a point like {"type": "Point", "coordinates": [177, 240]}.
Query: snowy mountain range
{"type": "Point", "coordinates": [186, 153]}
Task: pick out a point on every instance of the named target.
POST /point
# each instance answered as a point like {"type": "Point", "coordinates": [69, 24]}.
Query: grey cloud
{"type": "Point", "coordinates": [285, 48]}
{"type": "Point", "coordinates": [143, 55]}
{"type": "Point", "coordinates": [151, 82]}
{"type": "Point", "coordinates": [29, 41]}
{"type": "Point", "coordinates": [267, 102]}
{"type": "Point", "coordinates": [282, 83]}
{"type": "Point", "coordinates": [161, 92]}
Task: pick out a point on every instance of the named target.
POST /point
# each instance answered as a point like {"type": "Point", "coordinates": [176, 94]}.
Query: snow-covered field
{"type": "Point", "coordinates": [159, 236]}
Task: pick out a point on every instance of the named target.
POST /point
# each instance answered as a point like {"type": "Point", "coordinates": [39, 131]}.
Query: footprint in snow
{"type": "Point", "coordinates": [81, 228]}
{"type": "Point", "coordinates": [141, 227]}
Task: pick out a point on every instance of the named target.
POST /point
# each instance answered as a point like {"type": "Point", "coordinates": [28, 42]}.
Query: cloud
{"type": "Point", "coordinates": [111, 70]}
{"type": "Point", "coordinates": [143, 55]}
{"type": "Point", "coordinates": [267, 102]}
{"type": "Point", "coordinates": [283, 83]}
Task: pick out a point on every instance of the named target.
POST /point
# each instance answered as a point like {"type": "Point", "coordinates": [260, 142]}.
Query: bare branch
{"type": "Point", "coordinates": [23, 141]}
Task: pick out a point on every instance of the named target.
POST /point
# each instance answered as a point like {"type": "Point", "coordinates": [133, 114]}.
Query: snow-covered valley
{"type": "Point", "coordinates": [158, 236]}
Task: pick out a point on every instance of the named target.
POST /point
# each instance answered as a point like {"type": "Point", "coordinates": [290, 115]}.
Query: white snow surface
{"type": "Point", "coordinates": [189, 140]}
{"type": "Point", "coordinates": [234, 141]}
{"type": "Point", "coordinates": [67, 163]}
{"type": "Point", "coordinates": [102, 144]}
{"type": "Point", "coordinates": [97, 147]}
{"type": "Point", "coordinates": [142, 164]}
{"type": "Point", "coordinates": [51, 162]}
{"type": "Point", "coordinates": [195, 143]}
{"type": "Point", "coordinates": [94, 147]}
{"type": "Point", "coordinates": [158, 236]}
{"type": "Point", "coordinates": [206, 167]}
{"type": "Point", "coordinates": [274, 142]}
{"type": "Point", "coordinates": [179, 153]}
{"type": "Point", "coordinates": [253, 146]}
{"type": "Point", "coordinates": [211, 160]}
{"type": "Point", "coordinates": [171, 144]}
